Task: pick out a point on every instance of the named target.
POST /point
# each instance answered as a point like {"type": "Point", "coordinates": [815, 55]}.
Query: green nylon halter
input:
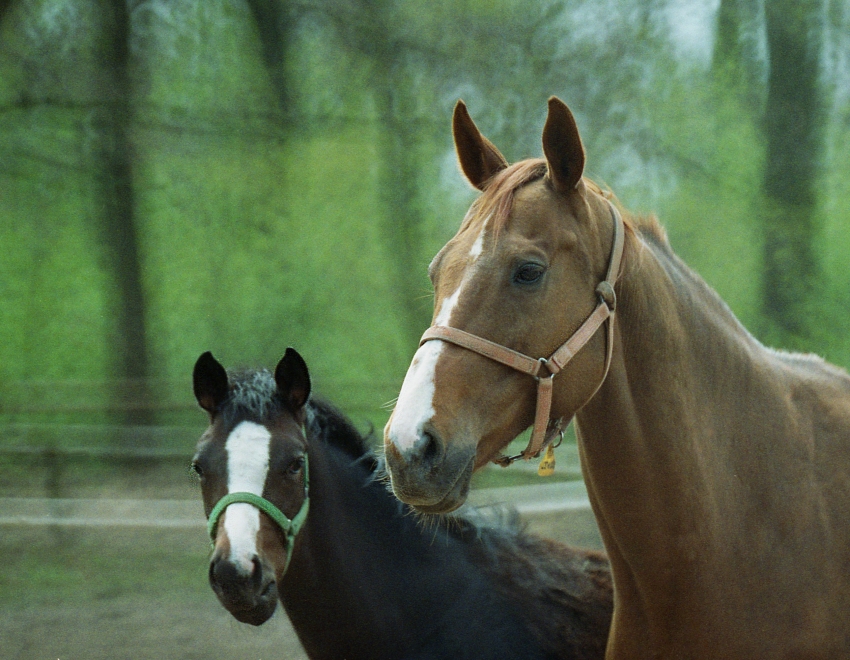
{"type": "Point", "coordinates": [290, 528]}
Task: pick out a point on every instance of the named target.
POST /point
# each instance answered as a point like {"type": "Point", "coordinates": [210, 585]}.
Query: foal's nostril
{"type": "Point", "coordinates": [257, 574]}
{"type": "Point", "coordinates": [221, 571]}
{"type": "Point", "coordinates": [228, 573]}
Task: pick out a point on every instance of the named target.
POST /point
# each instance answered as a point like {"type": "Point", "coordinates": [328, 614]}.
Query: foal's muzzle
{"type": "Point", "coordinates": [250, 596]}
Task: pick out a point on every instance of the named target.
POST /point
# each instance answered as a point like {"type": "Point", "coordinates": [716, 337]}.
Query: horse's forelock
{"type": "Point", "coordinates": [495, 203]}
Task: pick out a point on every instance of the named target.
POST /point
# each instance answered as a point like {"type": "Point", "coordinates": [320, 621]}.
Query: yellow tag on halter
{"type": "Point", "coordinates": [547, 463]}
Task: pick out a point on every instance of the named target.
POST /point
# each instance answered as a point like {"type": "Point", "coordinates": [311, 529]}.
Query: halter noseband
{"type": "Point", "coordinates": [545, 429]}
{"type": "Point", "coordinates": [290, 528]}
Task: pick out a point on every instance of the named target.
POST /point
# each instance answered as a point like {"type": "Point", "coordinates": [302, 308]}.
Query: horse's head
{"type": "Point", "coordinates": [252, 464]}
{"type": "Point", "coordinates": [523, 272]}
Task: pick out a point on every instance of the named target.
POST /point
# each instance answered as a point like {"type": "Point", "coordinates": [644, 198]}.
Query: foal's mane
{"type": "Point", "coordinates": [495, 203]}
{"type": "Point", "coordinates": [327, 423]}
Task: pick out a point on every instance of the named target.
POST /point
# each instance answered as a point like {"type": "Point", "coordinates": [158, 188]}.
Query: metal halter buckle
{"type": "Point", "coordinates": [605, 290]}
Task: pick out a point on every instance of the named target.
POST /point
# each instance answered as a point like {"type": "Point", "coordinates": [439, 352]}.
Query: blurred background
{"type": "Point", "coordinates": [241, 176]}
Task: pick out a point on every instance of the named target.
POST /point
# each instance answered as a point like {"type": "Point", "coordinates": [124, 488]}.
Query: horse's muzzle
{"type": "Point", "coordinates": [249, 597]}
{"type": "Point", "coordinates": [429, 477]}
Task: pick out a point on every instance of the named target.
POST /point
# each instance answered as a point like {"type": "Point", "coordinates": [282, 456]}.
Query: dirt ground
{"type": "Point", "coordinates": [92, 593]}
{"type": "Point", "coordinates": [136, 628]}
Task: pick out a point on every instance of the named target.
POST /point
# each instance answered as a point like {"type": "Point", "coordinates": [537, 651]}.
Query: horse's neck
{"type": "Point", "coordinates": [678, 344]}
{"type": "Point", "coordinates": [703, 453]}
{"type": "Point", "coordinates": [661, 426]}
{"type": "Point", "coordinates": [367, 581]}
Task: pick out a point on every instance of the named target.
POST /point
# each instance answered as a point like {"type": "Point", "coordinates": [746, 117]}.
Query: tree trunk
{"type": "Point", "coordinates": [402, 218]}
{"type": "Point", "coordinates": [734, 64]}
{"type": "Point", "coordinates": [792, 119]}
{"type": "Point", "coordinates": [274, 25]}
{"type": "Point", "coordinates": [133, 399]}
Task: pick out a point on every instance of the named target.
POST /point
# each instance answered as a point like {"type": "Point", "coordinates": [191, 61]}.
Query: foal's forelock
{"type": "Point", "coordinates": [247, 449]}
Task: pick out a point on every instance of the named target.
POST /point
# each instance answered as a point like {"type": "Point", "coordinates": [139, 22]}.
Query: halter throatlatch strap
{"type": "Point", "coordinates": [289, 527]}
{"type": "Point", "coordinates": [544, 369]}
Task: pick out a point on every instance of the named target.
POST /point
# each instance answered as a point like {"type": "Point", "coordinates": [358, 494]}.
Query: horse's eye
{"type": "Point", "coordinates": [197, 469]}
{"type": "Point", "coordinates": [528, 273]}
{"type": "Point", "coordinates": [296, 465]}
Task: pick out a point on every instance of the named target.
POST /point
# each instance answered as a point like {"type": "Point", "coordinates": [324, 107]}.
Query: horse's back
{"type": "Point", "coordinates": [818, 400]}
{"type": "Point", "coordinates": [814, 481]}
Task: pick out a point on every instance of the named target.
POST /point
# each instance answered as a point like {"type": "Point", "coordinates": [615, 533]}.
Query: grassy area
{"type": "Point", "coordinates": [45, 564]}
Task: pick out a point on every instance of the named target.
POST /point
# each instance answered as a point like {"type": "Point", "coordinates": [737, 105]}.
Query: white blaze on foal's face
{"type": "Point", "coordinates": [247, 449]}
{"type": "Point", "coordinates": [415, 404]}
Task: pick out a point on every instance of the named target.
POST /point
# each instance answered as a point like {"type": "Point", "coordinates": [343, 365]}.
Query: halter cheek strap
{"type": "Point", "coordinates": [543, 370]}
{"type": "Point", "coordinates": [289, 527]}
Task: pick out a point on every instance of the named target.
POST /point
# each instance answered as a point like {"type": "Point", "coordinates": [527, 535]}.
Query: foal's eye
{"type": "Point", "coordinates": [296, 465]}
{"type": "Point", "coordinates": [528, 273]}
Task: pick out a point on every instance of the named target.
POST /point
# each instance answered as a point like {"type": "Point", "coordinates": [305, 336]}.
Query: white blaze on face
{"type": "Point", "coordinates": [415, 406]}
{"type": "Point", "coordinates": [477, 246]}
{"type": "Point", "coordinates": [247, 466]}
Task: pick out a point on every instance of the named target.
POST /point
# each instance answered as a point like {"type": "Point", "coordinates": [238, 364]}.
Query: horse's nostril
{"type": "Point", "coordinates": [257, 574]}
{"type": "Point", "coordinates": [430, 446]}
{"type": "Point", "coordinates": [222, 571]}
{"type": "Point", "coordinates": [228, 573]}
{"type": "Point", "coordinates": [431, 450]}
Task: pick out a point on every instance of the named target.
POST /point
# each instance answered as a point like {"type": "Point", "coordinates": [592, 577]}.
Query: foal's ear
{"type": "Point", "coordinates": [293, 380]}
{"type": "Point", "coordinates": [210, 383]}
{"type": "Point", "coordinates": [562, 147]}
{"type": "Point", "coordinates": [479, 159]}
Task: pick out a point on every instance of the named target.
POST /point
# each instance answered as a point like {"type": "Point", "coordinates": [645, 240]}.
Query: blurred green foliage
{"type": "Point", "coordinates": [263, 226]}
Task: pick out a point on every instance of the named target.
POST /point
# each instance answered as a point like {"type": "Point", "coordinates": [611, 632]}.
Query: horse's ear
{"type": "Point", "coordinates": [209, 380]}
{"type": "Point", "coordinates": [479, 159]}
{"type": "Point", "coordinates": [562, 147]}
{"type": "Point", "coordinates": [293, 379]}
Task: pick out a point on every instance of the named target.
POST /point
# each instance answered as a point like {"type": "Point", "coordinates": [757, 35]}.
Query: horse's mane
{"type": "Point", "coordinates": [496, 201]}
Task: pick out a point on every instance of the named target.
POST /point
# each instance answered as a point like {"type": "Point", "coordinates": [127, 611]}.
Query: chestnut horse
{"type": "Point", "coordinates": [299, 512]}
{"type": "Point", "coordinates": [718, 469]}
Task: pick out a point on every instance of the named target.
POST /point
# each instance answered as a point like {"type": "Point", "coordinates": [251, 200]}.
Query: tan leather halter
{"type": "Point", "coordinates": [545, 429]}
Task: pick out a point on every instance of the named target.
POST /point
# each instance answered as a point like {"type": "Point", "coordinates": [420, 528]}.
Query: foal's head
{"type": "Point", "coordinates": [252, 464]}
{"type": "Point", "coordinates": [523, 272]}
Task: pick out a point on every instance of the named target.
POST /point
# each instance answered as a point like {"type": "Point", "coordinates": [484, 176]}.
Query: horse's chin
{"type": "Point", "coordinates": [257, 612]}
{"type": "Point", "coordinates": [448, 501]}
{"type": "Point", "coordinates": [445, 506]}
{"type": "Point", "coordinates": [255, 609]}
